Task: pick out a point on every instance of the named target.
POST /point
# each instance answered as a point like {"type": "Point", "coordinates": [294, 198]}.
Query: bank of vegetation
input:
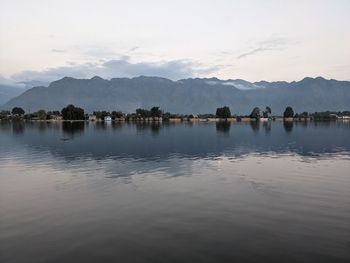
{"type": "Point", "coordinates": [73, 113]}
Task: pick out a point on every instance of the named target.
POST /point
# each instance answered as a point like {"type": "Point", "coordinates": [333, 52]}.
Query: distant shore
{"type": "Point", "coordinates": [179, 120]}
{"type": "Point", "coordinates": [156, 114]}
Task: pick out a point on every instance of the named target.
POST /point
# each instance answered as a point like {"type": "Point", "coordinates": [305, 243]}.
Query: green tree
{"type": "Point", "coordinates": [17, 111]}
{"type": "Point", "coordinates": [255, 113]}
{"type": "Point", "coordinates": [73, 113]}
{"type": "Point", "coordinates": [288, 113]}
{"type": "Point", "coordinates": [223, 112]}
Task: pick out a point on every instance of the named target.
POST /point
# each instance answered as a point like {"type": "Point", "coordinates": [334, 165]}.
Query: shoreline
{"type": "Point", "coordinates": [174, 121]}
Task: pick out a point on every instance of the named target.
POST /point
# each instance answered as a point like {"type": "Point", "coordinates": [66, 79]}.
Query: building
{"type": "Point", "coordinates": [92, 117]}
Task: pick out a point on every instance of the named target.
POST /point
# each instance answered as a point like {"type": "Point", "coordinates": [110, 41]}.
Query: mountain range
{"type": "Point", "coordinates": [193, 95]}
{"type": "Point", "coordinates": [8, 92]}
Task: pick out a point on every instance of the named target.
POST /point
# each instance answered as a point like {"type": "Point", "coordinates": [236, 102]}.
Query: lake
{"type": "Point", "coordinates": [205, 192]}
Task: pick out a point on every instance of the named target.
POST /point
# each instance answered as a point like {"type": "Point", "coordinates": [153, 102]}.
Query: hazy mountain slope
{"type": "Point", "coordinates": [187, 95]}
{"type": "Point", "coordinates": [9, 92]}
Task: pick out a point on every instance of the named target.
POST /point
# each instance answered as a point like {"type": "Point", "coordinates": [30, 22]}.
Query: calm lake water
{"type": "Point", "coordinates": [94, 192]}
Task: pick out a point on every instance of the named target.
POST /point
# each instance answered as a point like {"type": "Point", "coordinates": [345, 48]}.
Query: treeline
{"type": "Point", "coordinates": [67, 113]}
{"type": "Point", "coordinates": [38, 115]}
{"type": "Point", "coordinates": [72, 112]}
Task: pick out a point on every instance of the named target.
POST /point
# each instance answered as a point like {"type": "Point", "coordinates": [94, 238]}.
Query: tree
{"type": "Point", "coordinates": [101, 115]}
{"type": "Point", "coordinates": [305, 114]}
{"type": "Point", "coordinates": [55, 112]}
{"type": "Point", "coordinates": [117, 114]}
{"type": "Point", "coordinates": [166, 116]}
{"type": "Point", "coordinates": [267, 112]}
{"type": "Point", "coordinates": [288, 113]}
{"type": "Point", "coordinates": [4, 114]}
{"type": "Point", "coordinates": [143, 113]}
{"type": "Point", "coordinates": [41, 114]}
{"type": "Point", "coordinates": [255, 113]}
{"type": "Point", "coordinates": [156, 112]}
{"type": "Point", "coordinates": [73, 113]}
{"type": "Point", "coordinates": [17, 111]}
{"type": "Point", "coordinates": [223, 112]}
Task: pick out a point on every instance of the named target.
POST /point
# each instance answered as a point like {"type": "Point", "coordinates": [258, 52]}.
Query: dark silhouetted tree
{"type": "Point", "coordinates": [268, 110]}
{"type": "Point", "coordinates": [17, 111]}
{"type": "Point", "coordinates": [73, 113]}
{"type": "Point", "coordinates": [223, 112]}
{"type": "Point", "coordinates": [255, 113]}
{"type": "Point", "coordinates": [143, 113]}
{"type": "Point", "coordinates": [117, 114]}
{"type": "Point", "coordinates": [305, 114]}
{"type": "Point", "coordinates": [288, 113]}
{"type": "Point", "coordinates": [156, 112]}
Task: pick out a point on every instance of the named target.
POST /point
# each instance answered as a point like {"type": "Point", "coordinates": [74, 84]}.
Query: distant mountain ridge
{"type": "Point", "coordinates": [193, 95]}
{"type": "Point", "coordinates": [8, 92]}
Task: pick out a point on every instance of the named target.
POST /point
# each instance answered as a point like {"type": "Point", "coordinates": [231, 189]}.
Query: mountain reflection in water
{"type": "Point", "coordinates": [188, 192]}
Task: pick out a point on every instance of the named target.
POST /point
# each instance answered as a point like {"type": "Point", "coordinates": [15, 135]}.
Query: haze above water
{"type": "Point", "coordinates": [246, 192]}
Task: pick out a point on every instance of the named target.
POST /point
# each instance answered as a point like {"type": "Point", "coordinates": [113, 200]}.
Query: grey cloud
{"type": "Point", "coordinates": [133, 49]}
{"type": "Point", "coordinates": [252, 52]}
{"type": "Point", "coordinates": [121, 67]}
{"type": "Point", "coordinates": [267, 45]}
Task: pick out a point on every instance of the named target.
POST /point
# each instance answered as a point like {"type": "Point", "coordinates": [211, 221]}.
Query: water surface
{"type": "Point", "coordinates": [246, 192]}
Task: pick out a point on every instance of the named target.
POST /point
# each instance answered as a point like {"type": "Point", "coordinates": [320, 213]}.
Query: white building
{"type": "Point", "coordinates": [92, 117]}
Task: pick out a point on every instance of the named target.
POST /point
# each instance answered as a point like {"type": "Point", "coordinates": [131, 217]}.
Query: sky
{"type": "Point", "coordinates": [44, 40]}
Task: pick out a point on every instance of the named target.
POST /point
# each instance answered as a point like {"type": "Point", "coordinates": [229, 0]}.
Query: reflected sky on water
{"type": "Point", "coordinates": [189, 192]}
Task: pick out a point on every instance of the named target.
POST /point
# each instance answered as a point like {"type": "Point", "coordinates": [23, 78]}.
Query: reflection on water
{"type": "Point", "coordinates": [255, 125]}
{"type": "Point", "coordinates": [71, 128]}
{"type": "Point", "coordinates": [267, 126]}
{"type": "Point", "coordinates": [151, 192]}
{"type": "Point", "coordinates": [150, 140]}
{"type": "Point", "coordinates": [288, 126]}
{"type": "Point", "coordinates": [18, 127]}
{"type": "Point", "coordinates": [223, 127]}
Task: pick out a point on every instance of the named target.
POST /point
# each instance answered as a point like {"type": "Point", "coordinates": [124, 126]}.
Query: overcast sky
{"type": "Point", "coordinates": [252, 40]}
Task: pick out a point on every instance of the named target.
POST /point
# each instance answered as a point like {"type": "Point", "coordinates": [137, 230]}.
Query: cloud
{"type": "Point", "coordinates": [10, 82]}
{"type": "Point", "coordinates": [58, 50]}
{"type": "Point", "coordinates": [133, 49]}
{"type": "Point", "coordinates": [121, 67]}
{"type": "Point", "coordinates": [97, 52]}
{"type": "Point", "coordinates": [271, 44]}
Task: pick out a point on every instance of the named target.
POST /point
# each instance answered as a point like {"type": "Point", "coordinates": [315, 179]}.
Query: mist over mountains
{"type": "Point", "coordinates": [186, 95]}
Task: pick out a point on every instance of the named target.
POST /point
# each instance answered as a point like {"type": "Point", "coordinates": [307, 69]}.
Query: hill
{"type": "Point", "coordinates": [186, 95]}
